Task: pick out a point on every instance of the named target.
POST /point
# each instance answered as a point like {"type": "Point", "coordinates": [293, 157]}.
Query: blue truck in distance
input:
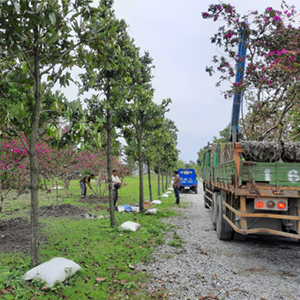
{"type": "Point", "coordinates": [188, 180]}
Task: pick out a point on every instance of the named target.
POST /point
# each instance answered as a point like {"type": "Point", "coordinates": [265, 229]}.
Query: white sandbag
{"type": "Point", "coordinates": [151, 211]}
{"type": "Point", "coordinates": [130, 226]}
{"type": "Point", "coordinates": [89, 216]}
{"type": "Point", "coordinates": [156, 202]}
{"type": "Point", "coordinates": [170, 189]}
{"type": "Point", "coordinates": [56, 269]}
{"type": "Point", "coordinates": [101, 217]}
{"type": "Point", "coordinates": [135, 208]}
{"type": "Point", "coordinates": [169, 192]}
{"type": "Point", "coordinates": [121, 208]}
{"type": "Point", "coordinates": [165, 195]}
{"type": "Point", "coordinates": [56, 188]}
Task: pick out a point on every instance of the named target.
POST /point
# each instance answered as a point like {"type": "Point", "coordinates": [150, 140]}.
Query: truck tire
{"type": "Point", "coordinates": [224, 230]}
{"type": "Point", "coordinates": [239, 237]}
{"type": "Point", "coordinates": [214, 207]}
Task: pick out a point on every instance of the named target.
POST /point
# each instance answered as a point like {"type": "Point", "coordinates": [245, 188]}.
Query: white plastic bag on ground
{"type": "Point", "coordinates": [168, 192]}
{"type": "Point", "coordinates": [130, 226]}
{"type": "Point", "coordinates": [56, 188]}
{"type": "Point", "coordinates": [170, 189]}
{"type": "Point", "coordinates": [121, 208]}
{"type": "Point", "coordinates": [165, 195]}
{"type": "Point", "coordinates": [135, 209]}
{"type": "Point", "coordinates": [156, 202]}
{"type": "Point", "coordinates": [151, 211]}
{"type": "Point", "coordinates": [56, 269]}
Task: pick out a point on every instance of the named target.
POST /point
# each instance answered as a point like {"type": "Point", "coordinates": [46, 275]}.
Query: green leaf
{"type": "Point", "coordinates": [52, 18]}
{"type": "Point", "coordinates": [92, 81]}
{"type": "Point", "coordinates": [53, 39]}
{"type": "Point", "coordinates": [24, 67]}
{"type": "Point", "coordinates": [17, 8]}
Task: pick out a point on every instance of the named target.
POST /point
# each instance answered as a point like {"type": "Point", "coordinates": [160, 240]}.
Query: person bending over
{"type": "Point", "coordinates": [83, 181]}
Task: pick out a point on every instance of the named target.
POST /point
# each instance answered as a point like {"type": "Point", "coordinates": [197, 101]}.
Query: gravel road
{"type": "Point", "coordinates": [263, 267]}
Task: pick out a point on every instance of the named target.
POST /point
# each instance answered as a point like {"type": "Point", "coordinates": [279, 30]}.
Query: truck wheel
{"type": "Point", "coordinates": [239, 237]}
{"type": "Point", "coordinates": [224, 231]}
{"type": "Point", "coordinates": [214, 207]}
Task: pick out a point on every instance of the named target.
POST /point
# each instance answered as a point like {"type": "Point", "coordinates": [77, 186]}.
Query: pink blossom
{"type": "Point", "coordinates": [229, 35]}
{"type": "Point", "coordinates": [276, 18]}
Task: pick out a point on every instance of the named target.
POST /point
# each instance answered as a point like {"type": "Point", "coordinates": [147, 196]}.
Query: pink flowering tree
{"type": "Point", "coordinates": [64, 164]}
{"type": "Point", "coordinates": [14, 172]}
{"type": "Point", "coordinates": [272, 72]}
{"type": "Point", "coordinates": [14, 165]}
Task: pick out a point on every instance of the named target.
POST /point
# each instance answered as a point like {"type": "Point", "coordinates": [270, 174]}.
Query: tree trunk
{"type": "Point", "coordinates": [33, 167]}
{"type": "Point", "coordinates": [109, 170]}
{"type": "Point", "coordinates": [1, 196]}
{"type": "Point", "coordinates": [149, 181]}
{"type": "Point", "coordinates": [99, 182]}
{"type": "Point", "coordinates": [162, 182]}
{"type": "Point", "coordinates": [67, 183]}
{"type": "Point", "coordinates": [45, 185]}
{"type": "Point", "coordinates": [158, 179]}
{"type": "Point", "coordinates": [167, 179]}
{"type": "Point", "coordinates": [141, 178]}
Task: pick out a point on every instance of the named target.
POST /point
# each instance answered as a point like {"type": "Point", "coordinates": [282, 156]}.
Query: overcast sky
{"type": "Point", "coordinates": [178, 40]}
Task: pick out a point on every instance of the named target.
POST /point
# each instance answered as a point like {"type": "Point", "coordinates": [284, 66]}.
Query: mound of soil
{"type": "Point", "coordinates": [93, 199]}
{"type": "Point", "coordinates": [62, 210]}
{"type": "Point", "coordinates": [15, 235]}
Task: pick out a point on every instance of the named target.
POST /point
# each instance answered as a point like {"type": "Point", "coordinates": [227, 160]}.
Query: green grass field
{"type": "Point", "coordinates": [107, 255]}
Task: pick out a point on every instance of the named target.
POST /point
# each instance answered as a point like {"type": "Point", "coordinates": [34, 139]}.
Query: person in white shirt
{"type": "Point", "coordinates": [116, 184]}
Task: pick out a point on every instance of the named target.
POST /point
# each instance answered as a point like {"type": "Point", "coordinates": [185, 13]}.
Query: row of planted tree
{"type": "Point", "coordinates": [40, 42]}
{"type": "Point", "coordinates": [70, 162]}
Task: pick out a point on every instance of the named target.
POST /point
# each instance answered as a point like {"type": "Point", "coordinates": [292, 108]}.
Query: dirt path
{"type": "Point", "coordinates": [263, 267]}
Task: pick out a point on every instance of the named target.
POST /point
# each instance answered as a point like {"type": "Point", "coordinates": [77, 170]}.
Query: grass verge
{"type": "Point", "coordinates": [108, 256]}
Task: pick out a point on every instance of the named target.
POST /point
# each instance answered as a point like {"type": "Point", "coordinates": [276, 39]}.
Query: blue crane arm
{"type": "Point", "coordinates": [237, 99]}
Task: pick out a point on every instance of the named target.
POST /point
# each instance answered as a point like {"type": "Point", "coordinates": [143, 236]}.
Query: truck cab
{"type": "Point", "coordinates": [188, 180]}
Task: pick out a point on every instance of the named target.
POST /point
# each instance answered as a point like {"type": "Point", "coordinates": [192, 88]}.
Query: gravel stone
{"type": "Point", "coordinates": [262, 267]}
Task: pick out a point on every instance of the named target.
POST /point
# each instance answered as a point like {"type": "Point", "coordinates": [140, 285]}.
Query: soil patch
{"type": "Point", "coordinates": [100, 207]}
{"type": "Point", "coordinates": [93, 199]}
{"type": "Point", "coordinates": [62, 210]}
{"type": "Point", "coordinates": [15, 235]}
